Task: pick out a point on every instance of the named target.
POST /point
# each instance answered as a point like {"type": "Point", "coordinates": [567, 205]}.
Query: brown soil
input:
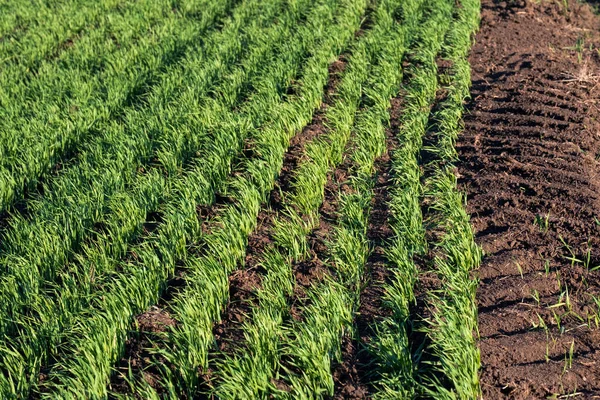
{"type": "Point", "coordinates": [150, 327]}
{"type": "Point", "coordinates": [529, 165]}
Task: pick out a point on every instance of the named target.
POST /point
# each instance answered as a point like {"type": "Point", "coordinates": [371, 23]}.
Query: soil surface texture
{"type": "Point", "coordinates": [529, 165]}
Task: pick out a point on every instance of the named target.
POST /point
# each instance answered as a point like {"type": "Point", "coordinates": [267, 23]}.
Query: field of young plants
{"type": "Point", "coordinates": [191, 192]}
{"type": "Point", "coordinates": [236, 199]}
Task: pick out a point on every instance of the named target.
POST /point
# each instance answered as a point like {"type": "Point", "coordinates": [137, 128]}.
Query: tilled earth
{"type": "Point", "coordinates": [529, 164]}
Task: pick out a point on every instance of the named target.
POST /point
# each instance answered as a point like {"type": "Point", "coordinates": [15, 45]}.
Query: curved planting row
{"type": "Point", "coordinates": [151, 261]}
{"type": "Point", "coordinates": [334, 302]}
{"type": "Point", "coordinates": [444, 363]}
{"type": "Point", "coordinates": [79, 198]}
{"type": "Point", "coordinates": [453, 323]}
{"type": "Point", "coordinates": [391, 348]}
{"type": "Point", "coordinates": [312, 340]}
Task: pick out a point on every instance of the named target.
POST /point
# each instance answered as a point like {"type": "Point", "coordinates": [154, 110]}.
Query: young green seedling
{"type": "Point", "coordinates": [543, 222]}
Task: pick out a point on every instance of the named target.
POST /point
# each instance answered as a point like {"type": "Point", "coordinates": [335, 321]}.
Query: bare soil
{"type": "Point", "coordinates": [529, 165]}
{"type": "Point", "coordinates": [150, 326]}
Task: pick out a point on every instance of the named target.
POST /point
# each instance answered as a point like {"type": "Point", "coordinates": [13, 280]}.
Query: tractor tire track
{"type": "Point", "coordinates": [529, 162]}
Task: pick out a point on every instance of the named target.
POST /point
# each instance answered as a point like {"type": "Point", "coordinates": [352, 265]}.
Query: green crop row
{"type": "Point", "coordinates": [120, 121]}
{"type": "Point", "coordinates": [71, 287]}
{"type": "Point", "coordinates": [136, 282]}
{"type": "Point", "coordinates": [453, 324]}
{"type": "Point", "coordinates": [394, 366]}
{"type": "Point", "coordinates": [37, 245]}
{"type": "Point", "coordinates": [93, 56]}
{"type": "Point", "coordinates": [313, 344]}
{"type": "Point", "coordinates": [153, 193]}
{"type": "Point", "coordinates": [75, 293]}
{"type": "Point", "coordinates": [61, 220]}
{"type": "Point", "coordinates": [450, 329]}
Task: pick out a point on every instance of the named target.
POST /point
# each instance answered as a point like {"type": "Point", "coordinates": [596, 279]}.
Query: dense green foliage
{"type": "Point", "coordinates": [123, 122]}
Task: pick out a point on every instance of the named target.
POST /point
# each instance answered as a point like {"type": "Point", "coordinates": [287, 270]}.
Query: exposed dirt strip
{"type": "Point", "coordinates": [530, 169]}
